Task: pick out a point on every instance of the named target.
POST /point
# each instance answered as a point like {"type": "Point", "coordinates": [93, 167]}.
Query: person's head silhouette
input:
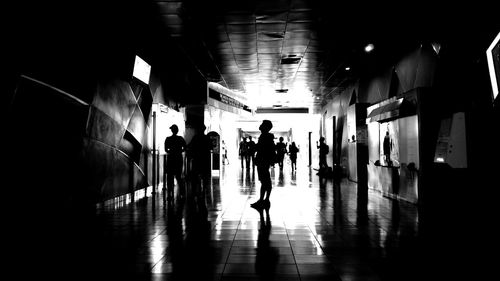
{"type": "Point", "coordinates": [266, 126]}
{"type": "Point", "coordinates": [174, 129]}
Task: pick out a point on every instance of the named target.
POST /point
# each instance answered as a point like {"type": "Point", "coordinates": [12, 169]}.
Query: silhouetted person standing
{"type": "Point", "coordinates": [199, 154]}
{"type": "Point", "coordinates": [280, 152]}
{"type": "Point", "coordinates": [250, 152]}
{"type": "Point", "coordinates": [387, 148]}
{"type": "Point", "coordinates": [323, 152]}
{"type": "Point", "coordinates": [264, 158]}
{"type": "Point", "coordinates": [292, 152]}
{"type": "Point", "coordinates": [174, 146]}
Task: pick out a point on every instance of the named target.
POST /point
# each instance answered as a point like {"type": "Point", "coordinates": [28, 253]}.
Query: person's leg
{"type": "Point", "coordinates": [206, 184]}
{"type": "Point", "coordinates": [266, 185]}
{"type": "Point", "coordinates": [264, 177]}
{"type": "Point", "coordinates": [262, 192]}
{"type": "Point", "coordinates": [267, 192]}
{"type": "Point", "coordinates": [247, 161]}
{"type": "Point", "coordinates": [266, 203]}
{"type": "Point", "coordinates": [170, 185]}
{"type": "Point", "coordinates": [195, 184]}
{"type": "Point", "coordinates": [180, 184]}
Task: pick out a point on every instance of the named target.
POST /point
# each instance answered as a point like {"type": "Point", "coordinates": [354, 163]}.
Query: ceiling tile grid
{"type": "Point", "coordinates": [283, 50]}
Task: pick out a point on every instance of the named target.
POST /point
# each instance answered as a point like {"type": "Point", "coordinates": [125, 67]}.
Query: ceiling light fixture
{"type": "Point", "coordinates": [436, 46]}
{"type": "Point", "coordinates": [369, 48]}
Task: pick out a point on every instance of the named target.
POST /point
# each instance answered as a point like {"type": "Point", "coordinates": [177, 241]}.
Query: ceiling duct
{"type": "Point", "coordinates": [290, 60]}
{"type": "Point", "coordinates": [272, 35]}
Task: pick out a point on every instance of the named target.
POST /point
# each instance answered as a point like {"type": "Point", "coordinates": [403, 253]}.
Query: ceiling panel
{"type": "Point", "coordinates": [288, 43]}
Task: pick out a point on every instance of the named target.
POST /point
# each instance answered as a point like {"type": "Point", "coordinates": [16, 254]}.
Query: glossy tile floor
{"type": "Point", "coordinates": [315, 229]}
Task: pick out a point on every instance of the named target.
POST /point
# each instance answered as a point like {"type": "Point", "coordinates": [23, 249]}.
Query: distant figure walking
{"type": "Point", "coordinates": [323, 152]}
{"type": "Point", "coordinates": [224, 154]}
{"type": "Point", "coordinates": [199, 154]}
{"type": "Point", "coordinates": [174, 146]}
{"type": "Point", "coordinates": [250, 157]}
{"type": "Point", "coordinates": [264, 158]}
{"type": "Point", "coordinates": [292, 152]}
{"type": "Point", "coordinates": [243, 150]}
{"type": "Point", "coordinates": [281, 151]}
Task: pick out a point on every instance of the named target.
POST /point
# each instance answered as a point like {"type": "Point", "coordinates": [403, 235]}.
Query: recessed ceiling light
{"type": "Point", "coordinates": [369, 48]}
{"type": "Point", "coordinates": [348, 68]}
{"type": "Point", "coordinates": [436, 46]}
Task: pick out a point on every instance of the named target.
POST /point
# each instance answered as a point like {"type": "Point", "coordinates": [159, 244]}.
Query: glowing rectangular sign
{"type": "Point", "coordinates": [493, 57]}
{"type": "Point", "coordinates": [142, 70]}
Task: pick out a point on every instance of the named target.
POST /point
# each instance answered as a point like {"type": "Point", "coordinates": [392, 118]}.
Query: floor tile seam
{"type": "Point", "coordinates": [234, 237]}
{"type": "Point", "coordinates": [371, 239]}
{"type": "Point", "coordinates": [333, 226]}
{"type": "Point", "coordinates": [342, 236]}
{"type": "Point", "coordinates": [331, 261]}
{"type": "Point", "coordinates": [291, 249]}
{"type": "Point", "coordinates": [379, 215]}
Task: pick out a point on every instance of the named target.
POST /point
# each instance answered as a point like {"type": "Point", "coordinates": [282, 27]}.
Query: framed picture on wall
{"type": "Point", "coordinates": [389, 143]}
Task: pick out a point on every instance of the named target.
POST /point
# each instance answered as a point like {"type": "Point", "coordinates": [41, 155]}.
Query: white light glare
{"type": "Point", "coordinates": [369, 48]}
{"type": "Point", "coordinates": [491, 66]}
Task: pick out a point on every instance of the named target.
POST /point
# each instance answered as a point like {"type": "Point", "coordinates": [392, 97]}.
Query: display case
{"type": "Point", "coordinates": [393, 148]}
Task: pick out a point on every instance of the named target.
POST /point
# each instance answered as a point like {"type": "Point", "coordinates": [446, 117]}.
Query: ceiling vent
{"type": "Point", "coordinates": [290, 60]}
{"type": "Point", "coordinates": [273, 35]}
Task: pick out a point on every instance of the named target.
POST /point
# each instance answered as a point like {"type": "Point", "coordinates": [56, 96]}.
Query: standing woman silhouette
{"type": "Point", "coordinates": [264, 158]}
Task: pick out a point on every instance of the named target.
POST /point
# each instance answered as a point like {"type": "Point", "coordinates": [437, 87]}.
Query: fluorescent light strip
{"type": "Point", "coordinates": [491, 66]}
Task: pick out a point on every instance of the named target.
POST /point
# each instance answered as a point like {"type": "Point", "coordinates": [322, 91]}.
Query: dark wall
{"type": "Point", "coordinates": [453, 80]}
{"type": "Point", "coordinates": [74, 111]}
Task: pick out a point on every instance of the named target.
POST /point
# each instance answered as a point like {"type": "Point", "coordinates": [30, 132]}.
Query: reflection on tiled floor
{"type": "Point", "coordinates": [314, 230]}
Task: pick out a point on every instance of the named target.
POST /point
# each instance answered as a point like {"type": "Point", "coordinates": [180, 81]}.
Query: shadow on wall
{"type": "Point", "coordinates": [63, 153]}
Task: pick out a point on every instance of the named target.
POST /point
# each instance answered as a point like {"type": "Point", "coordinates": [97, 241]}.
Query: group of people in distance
{"type": "Point", "coordinates": [198, 154]}
{"type": "Point", "coordinates": [247, 153]}
{"type": "Point", "coordinates": [263, 154]}
{"type": "Point", "coordinates": [268, 153]}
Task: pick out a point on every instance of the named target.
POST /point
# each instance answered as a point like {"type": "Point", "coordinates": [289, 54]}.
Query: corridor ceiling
{"type": "Point", "coordinates": [287, 53]}
{"type": "Point", "coordinates": [272, 53]}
